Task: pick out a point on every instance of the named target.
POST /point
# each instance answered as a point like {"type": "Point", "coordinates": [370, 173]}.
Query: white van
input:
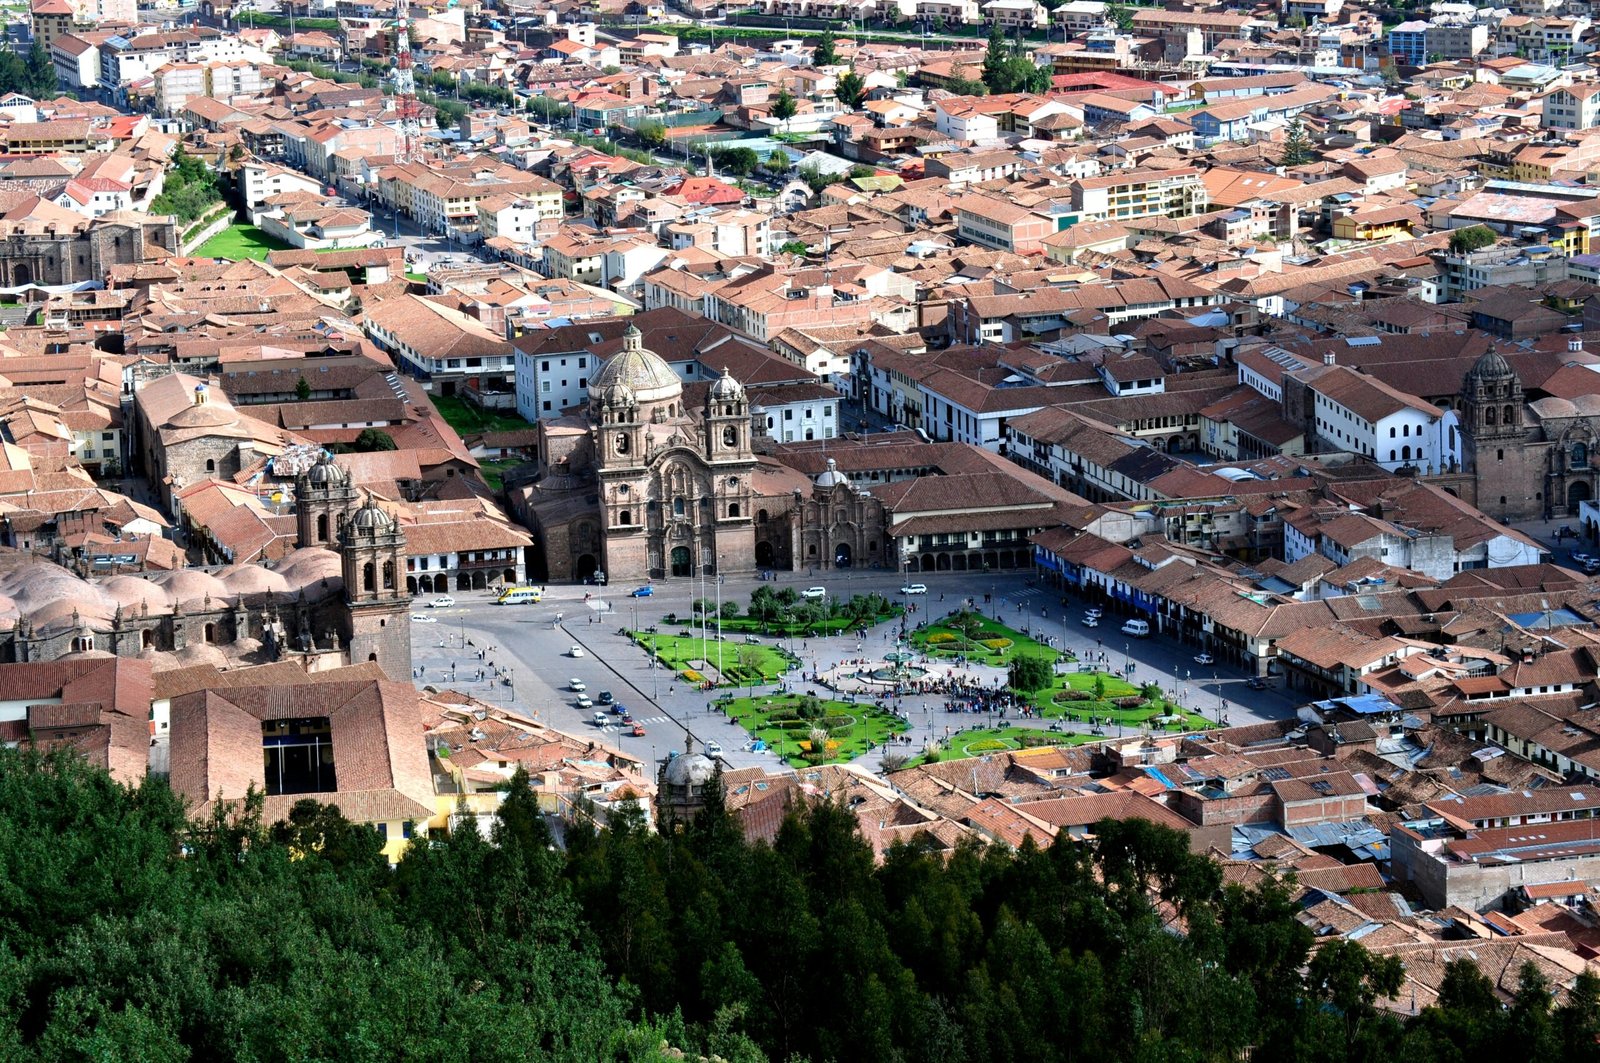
{"type": "Point", "coordinates": [1139, 629]}
{"type": "Point", "coordinates": [519, 596]}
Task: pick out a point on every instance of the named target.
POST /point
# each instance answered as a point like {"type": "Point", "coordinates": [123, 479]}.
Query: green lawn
{"type": "Point", "coordinates": [991, 642]}
{"type": "Point", "coordinates": [742, 663]}
{"type": "Point", "coordinates": [240, 241]}
{"type": "Point", "coordinates": [744, 625]}
{"type": "Point", "coordinates": [785, 723]}
{"type": "Point", "coordinates": [420, 278]}
{"type": "Point", "coordinates": [467, 420]}
{"type": "Point", "coordinates": [493, 471]}
{"type": "Point", "coordinates": [981, 741]}
{"type": "Point", "coordinates": [1058, 703]}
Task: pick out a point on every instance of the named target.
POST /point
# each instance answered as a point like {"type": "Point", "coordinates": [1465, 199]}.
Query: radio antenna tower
{"type": "Point", "coordinates": [405, 87]}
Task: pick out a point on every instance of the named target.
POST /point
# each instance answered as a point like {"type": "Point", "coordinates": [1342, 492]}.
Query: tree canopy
{"type": "Point", "coordinates": [131, 931]}
{"type": "Point", "coordinates": [1472, 238]}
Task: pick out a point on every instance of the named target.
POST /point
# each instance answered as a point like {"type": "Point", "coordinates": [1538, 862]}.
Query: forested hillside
{"type": "Point", "coordinates": [127, 933]}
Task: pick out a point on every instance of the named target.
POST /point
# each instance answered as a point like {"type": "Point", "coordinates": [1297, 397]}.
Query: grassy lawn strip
{"type": "Point", "coordinates": [240, 241]}
{"type": "Point", "coordinates": [982, 741]}
{"type": "Point", "coordinates": [741, 664]}
{"type": "Point", "coordinates": [1066, 700]}
{"type": "Point", "coordinates": [785, 722]}
{"type": "Point", "coordinates": [468, 420]}
{"type": "Point", "coordinates": [494, 470]}
{"type": "Point", "coordinates": [743, 625]}
{"type": "Point", "coordinates": [979, 639]}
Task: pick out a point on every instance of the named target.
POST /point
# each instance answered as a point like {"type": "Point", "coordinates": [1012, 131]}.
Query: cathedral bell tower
{"type": "Point", "coordinates": [376, 608]}
{"type": "Point", "coordinates": [727, 421]}
{"type": "Point", "coordinates": [1508, 487]}
{"type": "Point", "coordinates": [621, 441]}
{"type": "Point", "coordinates": [323, 500]}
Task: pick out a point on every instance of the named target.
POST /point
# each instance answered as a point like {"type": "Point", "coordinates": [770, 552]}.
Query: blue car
{"type": "Point", "coordinates": [641, 592]}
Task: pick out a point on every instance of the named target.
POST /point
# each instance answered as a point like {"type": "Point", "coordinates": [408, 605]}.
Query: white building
{"type": "Point", "coordinates": [549, 384]}
{"type": "Point", "coordinates": [793, 413]}
{"type": "Point", "coordinates": [1359, 414]}
{"type": "Point", "coordinates": [260, 181]}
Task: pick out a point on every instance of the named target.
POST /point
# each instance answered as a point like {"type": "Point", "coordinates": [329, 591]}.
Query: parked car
{"type": "Point", "coordinates": [576, 686]}
{"type": "Point", "coordinates": [1091, 621]}
{"type": "Point", "coordinates": [638, 730]}
{"type": "Point", "coordinates": [605, 697]}
{"type": "Point", "coordinates": [423, 618]}
{"type": "Point", "coordinates": [600, 719]}
{"type": "Point", "coordinates": [915, 588]}
{"type": "Point", "coordinates": [627, 717]}
{"type": "Point", "coordinates": [443, 602]}
{"type": "Point", "coordinates": [576, 651]}
{"type": "Point", "coordinates": [583, 702]}
{"type": "Point", "coordinates": [713, 749]}
{"type": "Point", "coordinates": [1204, 658]}
{"type": "Point", "coordinates": [1257, 683]}
{"type": "Point", "coordinates": [814, 592]}
{"type": "Point", "coordinates": [1096, 613]}
{"type": "Point", "coordinates": [641, 592]}
{"type": "Point", "coordinates": [1582, 559]}
{"type": "Point", "coordinates": [619, 709]}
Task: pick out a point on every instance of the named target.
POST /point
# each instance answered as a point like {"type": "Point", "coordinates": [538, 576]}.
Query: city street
{"type": "Point", "coordinates": [530, 646]}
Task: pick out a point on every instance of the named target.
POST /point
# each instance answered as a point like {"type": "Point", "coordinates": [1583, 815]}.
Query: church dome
{"type": "Point", "coordinates": [726, 389]}
{"type": "Point", "coordinates": [370, 518]}
{"type": "Point", "coordinates": [201, 416]}
{"type": "Point", "coordinates": [690, 769]}
{"type": "Point", "coordinates": [643, 372]}
{"type": "Point", "coordinates": [1492, 366]}
{"type": "Point", "coordinates": [327, 473]}
{"type": "Point", "coordinates": [618, 396]}
{"type": "Point", "coordinates": [831, 476]}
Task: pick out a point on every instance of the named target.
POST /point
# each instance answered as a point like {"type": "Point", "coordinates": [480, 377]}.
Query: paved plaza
{"type": "Point", "coordinates": [521, 656]}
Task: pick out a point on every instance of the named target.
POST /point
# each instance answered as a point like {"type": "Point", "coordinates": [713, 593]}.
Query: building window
{"type": "Point", "coordinates": [677, 506]}
{"type": "Point", "coordinates": [733, 509]}
{"type": "Point", "coordinates": [1580, 456]}
{"type": "Point", "coordinates": [625, 517]}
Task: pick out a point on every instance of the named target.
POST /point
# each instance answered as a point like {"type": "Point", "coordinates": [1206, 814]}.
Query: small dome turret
{"type": "Point", "coordinates": [831, 476]}
{"type": "Point", "coordinates": [727, 389]}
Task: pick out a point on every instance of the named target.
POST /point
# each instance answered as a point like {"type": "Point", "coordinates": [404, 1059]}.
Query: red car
{"type": "Point", "coordinates": [638, 730]}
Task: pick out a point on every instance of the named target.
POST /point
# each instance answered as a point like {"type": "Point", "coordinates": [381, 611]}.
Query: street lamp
{"type": "Point", "coordinates": [905, 598]}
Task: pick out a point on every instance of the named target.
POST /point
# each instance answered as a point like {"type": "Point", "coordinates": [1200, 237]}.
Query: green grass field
{"type": "Point", "coordinates": [744, 625]}
{"type": "Point", "coordinates": [742, 663]}
{"type": "Point", "coordinates": [982, 741]}
{"type": "Point", "coordinates": [494, 471]}
{"type": "Point", "coordinates": [780, 723]}
{"type": "Point", "coordinates": [240, 241]}
{"type": "Point", "coordinates": [1105, 710]}
{"type": "Point", "coordinates": [467, 420]}
{"type": "Point", "coordinates": [991, 643]}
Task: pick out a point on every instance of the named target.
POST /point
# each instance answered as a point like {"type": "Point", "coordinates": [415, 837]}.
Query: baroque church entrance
{"type": "Point", "coordinates": [841, 556]}
{"type": "Point", "coordinates": [1578, 491]}
{"type": "Point", "coordinates": [681, 561]}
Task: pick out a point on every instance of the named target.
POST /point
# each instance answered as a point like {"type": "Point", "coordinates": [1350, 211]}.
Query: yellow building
{"type": "Point", "coordinates": [1387, 223]}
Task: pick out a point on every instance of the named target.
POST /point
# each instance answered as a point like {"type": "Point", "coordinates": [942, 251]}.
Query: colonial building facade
{"type": "Point", "coordinates": [1530, 461]}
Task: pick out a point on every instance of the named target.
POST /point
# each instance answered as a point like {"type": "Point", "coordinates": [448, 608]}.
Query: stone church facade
{"type": "Point", "coordinates": [1530, 461]}
{"type": "Point", "coordinates": [641, 486]}
{"type": "Point", "coordinates": [312, 617]}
